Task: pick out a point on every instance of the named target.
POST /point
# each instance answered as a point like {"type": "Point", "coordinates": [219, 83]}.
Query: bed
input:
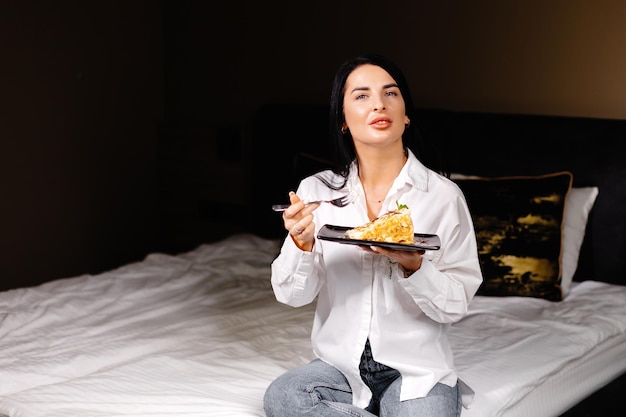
{"type": "Point", "coordinates": [199, 333]}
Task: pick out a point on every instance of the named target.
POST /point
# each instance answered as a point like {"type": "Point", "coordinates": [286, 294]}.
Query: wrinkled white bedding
{"type": "Point", "coordinates": [200, 334]}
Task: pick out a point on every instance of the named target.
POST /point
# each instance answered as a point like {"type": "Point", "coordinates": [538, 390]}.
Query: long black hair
{"type": "Point", "coordinates": [341, 143]}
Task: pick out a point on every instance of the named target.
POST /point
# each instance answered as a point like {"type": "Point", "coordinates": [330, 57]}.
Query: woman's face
{"type": "Point", "coordinates": [373, 106]}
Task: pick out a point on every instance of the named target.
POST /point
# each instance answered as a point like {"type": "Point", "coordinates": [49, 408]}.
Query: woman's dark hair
{"type": "Point", "coordinates": [341, 144]}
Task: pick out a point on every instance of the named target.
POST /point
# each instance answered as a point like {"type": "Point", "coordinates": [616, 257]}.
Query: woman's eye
{"type": "Point", "coordinates": [392, 93]}
{"type": "Point", "coordinates": [360, 97]}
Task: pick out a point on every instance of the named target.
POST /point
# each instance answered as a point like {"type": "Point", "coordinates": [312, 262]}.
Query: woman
{"type": "Point", "coordinates": [381, 321]}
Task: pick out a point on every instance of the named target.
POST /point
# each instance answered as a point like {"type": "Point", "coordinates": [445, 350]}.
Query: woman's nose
{"type": "Point", "coordinates": [379, 104]}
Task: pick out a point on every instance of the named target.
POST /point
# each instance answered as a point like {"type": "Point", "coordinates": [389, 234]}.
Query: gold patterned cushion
{"type": "Point", "coordinates": [519, 231]}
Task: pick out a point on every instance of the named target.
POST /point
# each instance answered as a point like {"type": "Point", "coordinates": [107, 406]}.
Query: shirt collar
{"type": "Point", "coordinates": [414, 173]}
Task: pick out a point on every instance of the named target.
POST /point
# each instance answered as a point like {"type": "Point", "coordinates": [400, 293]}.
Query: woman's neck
{"type": "Point", "coordinates": [377, 172]}
{"type": "Point", "coordinates": [377, 168]}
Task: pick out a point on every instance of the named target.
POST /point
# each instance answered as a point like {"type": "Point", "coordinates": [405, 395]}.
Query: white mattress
{"type": "Point", "coordinates": [200, 334]}
{"type": "Point", "coordinates": [531, 357]}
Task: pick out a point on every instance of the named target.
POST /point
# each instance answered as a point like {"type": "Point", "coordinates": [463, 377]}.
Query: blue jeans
{"type": "Point", "coordinates": [318, 389]}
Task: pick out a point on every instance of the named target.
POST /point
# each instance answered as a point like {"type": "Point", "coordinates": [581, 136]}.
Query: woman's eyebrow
{"type": "Point", "coordinates": [367, 88]}
{"type": "Point", "coordinates": [359, 89]}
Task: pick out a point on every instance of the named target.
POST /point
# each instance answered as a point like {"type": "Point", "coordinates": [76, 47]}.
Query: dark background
{"type": "Point", "coordinates": [125, 125]}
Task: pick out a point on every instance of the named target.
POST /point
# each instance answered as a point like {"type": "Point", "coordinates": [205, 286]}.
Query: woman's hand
{"type": "Point", "coordinates": [298, 220]}
{"type": "Point", "coordinates": [411, 261]}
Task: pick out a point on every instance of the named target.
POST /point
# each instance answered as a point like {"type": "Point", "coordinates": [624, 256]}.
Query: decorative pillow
{"type": "Point", "coordinates": [579, 203]}
{"type": "Point", "coordinates": [519, 231]}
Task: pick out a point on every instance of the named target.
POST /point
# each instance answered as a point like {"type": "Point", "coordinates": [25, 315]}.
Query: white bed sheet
{"type": "Point", "coordinates": [200, 334]}
{"type": "Point", "coordinates": [508, 348]}
{"type": "Point", "coordinates": [578, 379]}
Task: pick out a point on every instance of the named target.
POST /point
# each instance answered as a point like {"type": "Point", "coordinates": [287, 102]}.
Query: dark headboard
{"type": "Point", "coordinates": [486, 144]}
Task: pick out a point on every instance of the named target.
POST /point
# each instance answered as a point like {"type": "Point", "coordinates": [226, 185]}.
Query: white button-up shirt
{"type": "Point", "coordinates": [362, 295]}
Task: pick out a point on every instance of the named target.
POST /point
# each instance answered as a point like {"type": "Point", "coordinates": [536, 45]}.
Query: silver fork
{"type": "Point", "coordinates": [339, 202]}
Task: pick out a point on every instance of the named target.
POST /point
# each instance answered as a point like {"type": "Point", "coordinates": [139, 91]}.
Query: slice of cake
{"type": "Point", "coordinates": [395, 226]}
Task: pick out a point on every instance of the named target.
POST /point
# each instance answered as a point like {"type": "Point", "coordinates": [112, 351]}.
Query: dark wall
{"type": "Point", "coordinates": [81, 100]}
{"type": "Point", "coordinates": [559, 57]}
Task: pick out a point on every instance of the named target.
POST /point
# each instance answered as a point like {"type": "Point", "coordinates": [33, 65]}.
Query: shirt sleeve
{"type": "Point", "coordinates": [297, 275]}
{"type": "Point", "coordinates": [444, 286]}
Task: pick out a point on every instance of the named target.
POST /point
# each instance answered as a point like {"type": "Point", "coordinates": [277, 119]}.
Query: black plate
{"type": "Point", "coordinates": [423, 241]}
